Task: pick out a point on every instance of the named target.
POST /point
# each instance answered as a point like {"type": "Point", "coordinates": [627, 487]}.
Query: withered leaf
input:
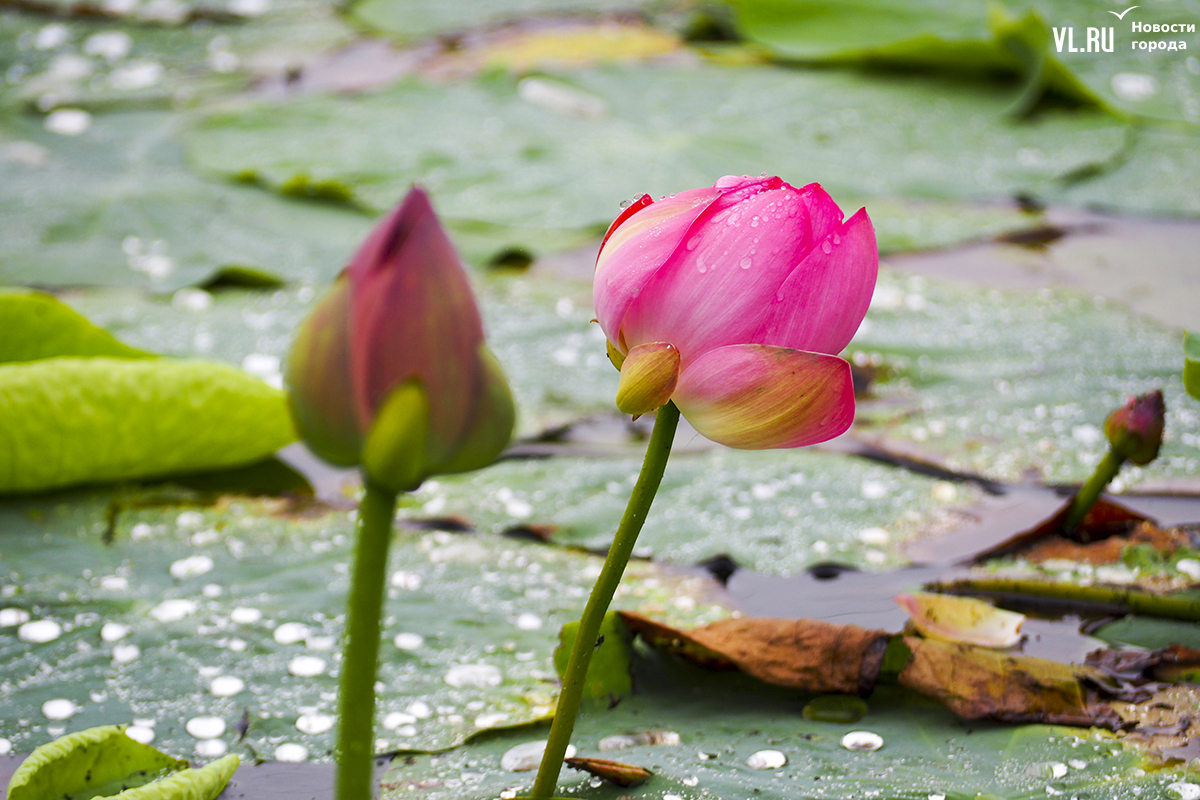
{"type": "Point", "coordinates": [821, 657]}
{"type": "Point", "coordinates": [980, 683]}
{"type": "Point", "coordinates": [803, 654]}
{"type": "Point", "coordinates": [615, 771]}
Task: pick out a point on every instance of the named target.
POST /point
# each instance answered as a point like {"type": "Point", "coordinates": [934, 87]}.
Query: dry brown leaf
{"type": "Point", "coordinates": [816, 656]}
{"type": "Point", "coordinates": [800, 653]}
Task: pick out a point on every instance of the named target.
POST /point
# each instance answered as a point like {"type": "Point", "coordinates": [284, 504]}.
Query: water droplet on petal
{"type": "Point", "coordinates": [746, 262]}
{"type": "Point", "coordinates": [766, 759]}
{"type": "Point", "coordinates": [826, 247]}
{"type": "Point", "coordinates": [692, 242]}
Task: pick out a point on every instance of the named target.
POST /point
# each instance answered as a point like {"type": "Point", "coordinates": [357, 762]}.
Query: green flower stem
{"type": "Point", "coordinates": [602, 594]}
{"type": "Point", "coordinates": [1089, 493]}
{"type": "Point", "coordinates": [356, 696]}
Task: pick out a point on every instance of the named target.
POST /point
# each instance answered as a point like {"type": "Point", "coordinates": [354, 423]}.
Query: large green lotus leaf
{"type": "Point", "coordinates": [1017, 37]}
{"type": "Point", "coordinates": [561, 153]}
{"type": "Point", "coordinates": [418, 19]}
{"type": "Point", "coordinates": [698, 732]}
{"type": "Point", "coordinates": [194, 49]}
{"type": "Point", "coordinates": [85, 420]}
{"type": "Point", "coordinates": [114, 206]}
{"type": "Point", "coordinates": [86, 760]}
{"type": "Point", "coordinates": [39, 326]}
{"type": "Point", "coordinates": [210, 612]}
{"type": "Point", "coordinates": [1005, 383]}
{"type": "Point", "coordinates": [1157, 174]}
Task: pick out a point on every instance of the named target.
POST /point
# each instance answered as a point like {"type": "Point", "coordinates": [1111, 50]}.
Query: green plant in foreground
{"type": "Point", "coordinates": [390, 373]}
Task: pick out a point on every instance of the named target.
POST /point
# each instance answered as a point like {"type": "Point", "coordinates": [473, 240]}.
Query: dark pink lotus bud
{"type": "Point", "coordinates": [751, 287]}
{"type": "Point", "coordinates": [390, 370]}
{"type": "Point", "coordinates": [1135, 430]}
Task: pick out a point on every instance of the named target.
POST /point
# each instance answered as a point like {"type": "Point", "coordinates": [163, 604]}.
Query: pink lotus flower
{"type": "Point", "coordinates": [390, 369]}
{"type": "Point", "coordinates": [733, 301]}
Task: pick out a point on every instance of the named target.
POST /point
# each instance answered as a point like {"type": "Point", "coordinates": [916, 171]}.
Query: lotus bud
{"type": "Point", "coordinates": [1135, 430]}
{"type": "Point", "coordinates": [390, 370]}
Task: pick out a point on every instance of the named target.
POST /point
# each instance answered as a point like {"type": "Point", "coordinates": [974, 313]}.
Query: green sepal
{"type": "Point", "coordinates": [491, 425]}
{"type": "Point", "coordinates": [394, 452]}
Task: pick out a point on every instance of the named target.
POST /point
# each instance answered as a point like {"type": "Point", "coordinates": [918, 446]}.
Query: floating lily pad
{"type": "Point", "coordinates": [425, 18]}
{"type": "Point", "coordinates": [561, 153]}
{"type": "Point", "coordinates": [114, 206]}
{"type": "Point", "coordinates": [160, 52]}
{"type": "Point", "coordinates": [977, 36]}
{"type": "Point", "coordinates": [723, 719]}
{"type": "Point", "coordinates": [999, 383]}
{"type": "Point", "coordinates": [211, 613]}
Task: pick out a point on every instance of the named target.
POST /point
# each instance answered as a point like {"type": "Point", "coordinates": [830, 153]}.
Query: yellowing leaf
{"type": "Point", "coordinates": [961, 619]}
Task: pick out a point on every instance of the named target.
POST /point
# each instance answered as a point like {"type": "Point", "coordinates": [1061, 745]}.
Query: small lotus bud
{"type": "Point", "coordinates": [1135, 431]}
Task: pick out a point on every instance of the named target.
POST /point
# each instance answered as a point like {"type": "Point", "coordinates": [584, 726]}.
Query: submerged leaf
{"type": "Point", "coordinates": [961, 619]}
{"type": "Point", "coordinates": [85, 760]}
{"type": "Point", "coordinates": [84, 420]}
{"type": "Point", "coordinates": [37, 326]}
